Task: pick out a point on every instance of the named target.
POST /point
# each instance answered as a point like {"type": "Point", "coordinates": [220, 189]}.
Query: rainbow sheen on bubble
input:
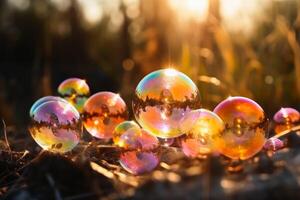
{"type": "Point", "coordinates": [56, 126]}
{"type": "Point", "coordinates": [102, 113]}
{"type": "Point", "coordinates": [245, 128]}
{"type": "Point", "coordinates": [75, 91]}
{"type": "Point", "coordinates": [161, 99]}
{"type": "Point", "coordinates": [201, 127]}
{"type": "Point", "coordinates": [285, 119]}
{"type": "Point", "coordinates": [43, 100]}
{"type": "Point", "coordinates": [129, 135]}
{"type": "Point", "coordinates": [167, 142]}
{"type": "Point", "coordinates": [138, 162]}
{"type": "Point", "coordinates": [122, 128]}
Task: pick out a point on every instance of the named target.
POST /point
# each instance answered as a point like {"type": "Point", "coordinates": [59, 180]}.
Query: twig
{"type": "Point", "coordinates": [5, 135]}
{"type": "Point", "coordinates": [294, 129]}
{"type": "Point", "coordinates": [24, 166]}
{"type": "Point", "coordinates": [101, 170]}
{"type": "Point", "coordinates": [80, 196]}
{"type": "Point", "coordinates": [52, 184]}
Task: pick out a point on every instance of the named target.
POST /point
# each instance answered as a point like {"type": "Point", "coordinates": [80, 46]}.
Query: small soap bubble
{"type": "Point", "coordinates": [273, 144]}
{"type": "Point", "coordinates": [285, 119]}
{"type": "Point", "coordinates": [137, 162]}
{"type": "Point", "coordinates": [128, 135]}
{"type": "Point", "coordinates": [76, 91]}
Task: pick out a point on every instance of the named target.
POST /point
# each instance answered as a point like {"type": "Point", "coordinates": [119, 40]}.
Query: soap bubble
{"type": "Point", "coordinates": [75, 91]}
{"type": "Point", "coordinates": [137, 145]}
{"type": "Point", "coordinates": [129, 135]}
{"type": "Point", "coordinates": [273, 144]}
{"type": "Point", "coordinates": [161, 99]}
{"type": "Point", "coordinates": [56, 126]}
{"type": "Point", "coordinates": [201, 127]}
{"type": "Point", "coordinates": [138, 162]}
{"type": "Point", "coordinates": [245, 128]}
{"type": "Point", "coordinates": [102, 113]}
{"type": "Point", "coordinates": [285, 119]}
{"type": "Point", "coordinates": [43, 100]}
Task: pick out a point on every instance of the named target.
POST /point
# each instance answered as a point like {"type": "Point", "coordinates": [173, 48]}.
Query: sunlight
{"type": "Point", "coordinates": [237, 15]}
{"type": "Point", "coordinates": [92, 10]}
{"type": "Point", "coordinates": [190, 9]}
{"type": "Point", "coordinates": [19, 4]}
{"type": "Point", "coordinates": [61, 5]}
{"type": "Point", "coordinates": [240, 16]}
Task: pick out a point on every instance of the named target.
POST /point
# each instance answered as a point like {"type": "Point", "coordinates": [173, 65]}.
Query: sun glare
{"type": "Point", "coordinates": [190, 9]}
{"type": "Point", "coordinates": [92, 10]}
{"type": "Point", "coordinates": [241, 15]}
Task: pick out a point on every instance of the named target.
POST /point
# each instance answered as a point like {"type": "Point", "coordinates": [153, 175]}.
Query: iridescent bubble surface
{"type": "Point", "coordinates": [201, 127]}
{"type": "Point", "coordinates": [245, 128]}
{"type": "Point", "coordinates": [285, 119]}
{"type": "Point", "coordinates": [167, 142]}
{"type": "Point", "coordinates": [56, 126]}
{"type": "Point", "coordinates": [137, 162]}
{"type": "Point", "coordinates": [75, 91]}
{"type": "Point", "coordinates": [102, 113]}
{"type": "Point", "coordinates": [161, 99]}
{"type": "Point", "coordinates": [43, 100]}
{"type": "Point", "coordinates": [129, 135]}
{"type": "Point", "coordinates": [273, 144]}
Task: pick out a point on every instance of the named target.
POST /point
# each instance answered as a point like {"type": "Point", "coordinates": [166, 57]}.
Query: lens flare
{"type": "Point", "coordinates": [161, 99]}
{"type": "Point", "coordinates": [75, 91]}
{"type": "Point", "coordinates": [102, 113]}
{"type": "Point", "coordinates": [56, 126]}
{"type": "Point", "coordinates": [245, 128]}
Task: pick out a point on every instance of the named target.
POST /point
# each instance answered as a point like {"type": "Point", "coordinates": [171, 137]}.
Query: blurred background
{"type": "Point", "coordinates": [228, 47]}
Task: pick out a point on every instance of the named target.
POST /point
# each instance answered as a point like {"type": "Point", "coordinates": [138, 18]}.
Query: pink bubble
{"type": "Point", "coordinates": [136, 162]}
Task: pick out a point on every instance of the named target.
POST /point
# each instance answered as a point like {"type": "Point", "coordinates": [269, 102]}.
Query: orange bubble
{"type": "Point", "coordinates": [245, 128]}
{"type": "Point", "coordinates": [201, 127]}
{"type": "Point", "coordinates": [102, 113]}
{"type": "Point", "coordinates": [285, 119]}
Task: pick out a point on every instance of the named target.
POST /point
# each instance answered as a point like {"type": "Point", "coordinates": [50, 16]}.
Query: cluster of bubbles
{"type": "Point", "coordinates": [166, 105]}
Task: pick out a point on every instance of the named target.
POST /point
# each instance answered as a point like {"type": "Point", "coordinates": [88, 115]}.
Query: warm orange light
{"type": "Point", "coordinates": [190, 9]}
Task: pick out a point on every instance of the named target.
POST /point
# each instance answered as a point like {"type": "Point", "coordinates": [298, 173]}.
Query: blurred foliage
{"type": "Point", "coordinates": [114, 43]}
